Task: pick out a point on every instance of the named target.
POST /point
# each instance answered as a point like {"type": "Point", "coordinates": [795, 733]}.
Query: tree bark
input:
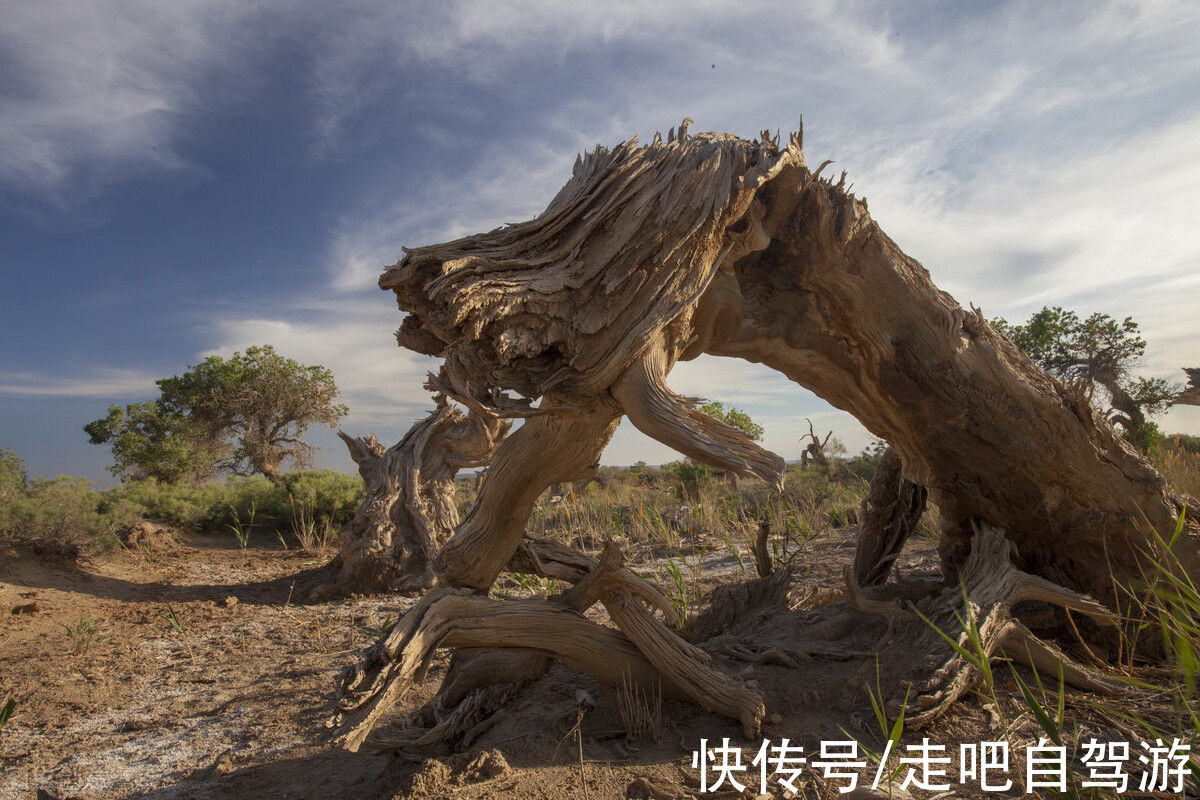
{"type": "Point", "coordinates": [712, 244]}
{"type": "Point", "coordinates": [409, 510]}
{"type": "Point", "coordinates": [835, 305]}
{"type": "Point", "coordinates": [890, 513]}
{"type": "Point", "coordinates": [915, 654]}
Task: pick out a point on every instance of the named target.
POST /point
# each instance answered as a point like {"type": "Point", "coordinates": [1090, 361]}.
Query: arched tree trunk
{"type": "Point", "coordinates": [409, 510]}
{"type": "Point", "coordinates": [714, 244]}
{"type": "Point", "coordinates": [711, 244]}
{"type": "Point", "coordinates": [891, 512]}
{"type": "Point", "coordinates": [835, 305]}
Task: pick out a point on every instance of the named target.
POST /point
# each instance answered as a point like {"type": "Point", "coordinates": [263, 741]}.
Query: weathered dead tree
{"type": "Point", "coordinates": [714, 244]}
{"type": "Point", "coordinates": [814, 451]}
{"type": "Point", "coordinates": [1190, 395]}
{"type": "Point", "coordinates": [409, 510]}
{"type": "Point", "coordinates": [891, 512]}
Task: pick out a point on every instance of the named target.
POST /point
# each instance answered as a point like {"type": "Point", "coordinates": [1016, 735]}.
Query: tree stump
{"type": "Point", "coordinates": [409, 510]}
{"type": "Point", "coordinates": [891, 512]}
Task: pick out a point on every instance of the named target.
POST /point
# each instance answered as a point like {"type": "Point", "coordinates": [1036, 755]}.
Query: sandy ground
{"type": "Point", "coordinates": [194, 674]}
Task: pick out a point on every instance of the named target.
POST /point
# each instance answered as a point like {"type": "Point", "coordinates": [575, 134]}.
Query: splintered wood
{"type": "Point", "coordinates": [709, 243]}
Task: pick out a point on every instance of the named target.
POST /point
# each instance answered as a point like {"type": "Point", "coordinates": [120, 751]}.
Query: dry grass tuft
{"type": "Point", "coordinates": [641, 711]}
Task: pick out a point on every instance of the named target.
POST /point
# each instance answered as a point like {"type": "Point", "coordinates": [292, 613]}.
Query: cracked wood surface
{"type": "Point", "coordinates": [708, 243]}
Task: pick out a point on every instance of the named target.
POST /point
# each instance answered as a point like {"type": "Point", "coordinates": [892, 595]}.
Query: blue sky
{"type": "Point", "coordinates": [186, 178]}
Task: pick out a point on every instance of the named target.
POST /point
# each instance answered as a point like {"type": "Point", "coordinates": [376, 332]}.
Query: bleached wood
{"type": "Point", "coordinates": [991, 586]}
{"type": "Point", "coordinates": [710, 243]}
{"type": "Point", "coordinates": [408, 512]}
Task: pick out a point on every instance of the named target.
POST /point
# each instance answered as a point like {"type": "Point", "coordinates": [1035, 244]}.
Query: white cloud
{"type": "Point", "coordinates": [95, 382]}
{"type": "Point", "coordinates": [380, 382]}
{"type": "Point", "coordinates": [93, 88]}
{"type": "Point", "coordinates": [1027, 153]}
{"type": "Point", "coordinates": [507, 184]}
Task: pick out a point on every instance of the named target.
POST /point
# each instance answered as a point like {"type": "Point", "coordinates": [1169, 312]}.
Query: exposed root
{"type": "Point", "coordinates": [792, 656]}
{"type": "Point", "coordinates": [643, 653]}
{"type": "Point", "coordinates": [735, 605]}
{"type": "Point", "coordinates": [459, 619]}
{"type": "Point", "coordinates": [550, 559]}
{"type": "Point", "coordinates": [991, 586]}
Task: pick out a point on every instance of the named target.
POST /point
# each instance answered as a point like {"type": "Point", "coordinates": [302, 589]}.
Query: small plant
{"type": "Point", "coordinates": [170, 616]}
{"type": "Point", "coordinates": [681, 595]}
{"type": "Point", "coordinates": [377, 631]}
{"type": "Point", "coordinates": [892, 731]}
{"type": "Point", "coordinates": [242, 530]}
{"type": "Point", "coordinates": [736, 550]}
{"type": "Point", "coordinates": [312, 533]}
{"type": "Point", "coordinates": [83, 634]}
{"type": "Point", "coordinates": [6, 711]}
{"type": "Point", "coordinates": [973, 652]}
{"type": "Point", "coordinates": [532, 584]}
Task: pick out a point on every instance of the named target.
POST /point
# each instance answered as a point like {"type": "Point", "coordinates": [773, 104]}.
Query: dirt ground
{"type": "Point", "coordinates": [193, 673]}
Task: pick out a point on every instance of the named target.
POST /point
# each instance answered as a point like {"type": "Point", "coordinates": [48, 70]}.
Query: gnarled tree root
{"type": "Point", "coordinates": [913, 652]}
{"type": "Point", "coordinates": [408, 512]}
{"type": "Point", "coordinates": [532, 633]}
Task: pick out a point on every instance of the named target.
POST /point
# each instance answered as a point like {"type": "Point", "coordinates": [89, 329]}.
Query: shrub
{"type": "Point", "coordinates": [60, 517]}
{"type": "Point", "coordinates": [863, 465]}
{"type": "Point", "coordinates": [66, 516]}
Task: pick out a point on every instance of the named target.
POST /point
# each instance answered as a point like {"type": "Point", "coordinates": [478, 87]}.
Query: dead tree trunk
{"type": "Point", "coordinates": [409, 510]}
{"type": "Point", "coordinates": [834, 304]}
{"type": "Point", "coordinates": [1190, 396]}
{"type": "Point", "coordinates": [890, 513]}
{"type": "Point", "coordinates": [714, 244]}
{"type": "Point", "coordinates": [814, 451]}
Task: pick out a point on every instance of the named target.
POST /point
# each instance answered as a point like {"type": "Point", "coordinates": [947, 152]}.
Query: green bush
{"type": "Point", "coordinates": [326, 495]}
{"type": "Point", "coordinates": [56, 516]}
{"type": "Point", "coordinates": [66, 516]}
{"type": "Point", "coordinates": [12, 475]}
{"type": "Point", "coordinates": [863, 465]}
{"type": "Point", "coordinates": [690, 477]}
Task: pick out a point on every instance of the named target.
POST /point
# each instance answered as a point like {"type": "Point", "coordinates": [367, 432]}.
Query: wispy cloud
{"type": "Point", "coordinates": [380, 382]}
{"type": "Point", "coordinates": [93, 90]}
{"type": "Point", "coordinates": [507, 184]}
{"type": "Point", "coordinates": [1026, 153]}
{"type": "Point", "coordinates": [97, 382]}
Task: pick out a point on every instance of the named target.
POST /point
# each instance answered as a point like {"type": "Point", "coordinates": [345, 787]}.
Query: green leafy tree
{"type": "Point", "coordinates": [153, 440]}
{"type": "Point", "coordinates": [244, 414]}
{"type": "Point", "coordinates": [1096, 355]}
{"type": "Point", "coordinates": [734, 417]}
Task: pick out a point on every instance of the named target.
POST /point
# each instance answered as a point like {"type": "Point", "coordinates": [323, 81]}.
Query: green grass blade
{"type": "Point", "coordinates": [1036, 709]}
